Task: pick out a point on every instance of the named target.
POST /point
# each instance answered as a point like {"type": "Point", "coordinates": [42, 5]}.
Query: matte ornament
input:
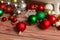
{"type": "Point", "coordinates": [1, 12]}
{"type": "Point", "coordinates": [32, 19]}
{"type": "Point", "coordinates": [21, 26]}
{"type": "Point", "coordinates": [40, 15]}
{"type": "Point", "coordinates": [45, 24]}
{"type": "Point", "coordinates": [51, 18]}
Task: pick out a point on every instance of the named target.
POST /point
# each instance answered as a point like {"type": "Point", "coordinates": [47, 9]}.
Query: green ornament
{"type": "Point", "coordinates": [32, 19]}
{"type": "Point", "coordinates": [1, 12]}
{"type": "Point", "coordinates": [40, 15]}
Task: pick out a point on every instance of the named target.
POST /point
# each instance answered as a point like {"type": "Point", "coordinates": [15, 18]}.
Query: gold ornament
{"type": "Point", "coordinates": [14, 1]}
{"type": "Point", "coordinates": [2, 1]}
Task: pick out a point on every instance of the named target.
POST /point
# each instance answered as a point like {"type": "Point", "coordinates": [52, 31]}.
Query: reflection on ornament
{"type": "Point", "coordinates": [15, 4]}
{"type": "Point", "coordinates": [22, 5]}
{"type": "Point", "coordinates": [49, 6]}
{"type": "Point", "coordinates": [30, 12]}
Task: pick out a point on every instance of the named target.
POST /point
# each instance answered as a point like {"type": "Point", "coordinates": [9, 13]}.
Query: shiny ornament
{"type": "Point", "coordinates": [45, 24]}
{"type": "Point", "coordinates": [21, 26]}
{"type": "Point", "coordinates": [51, 18]}
{"type": "Point", "coordinates": [14, 19]}
{"type": "Point", "coordinates": [49, 6]}
{"type": "Point", "coordinates": [2, 6]}
{"type": "Point", "coordinates": [40, 15]}
{"type": "Point", "coordinates": [1, 12]}
{"type": "Point", "coordinates": [2, 1]}
{"type": "Point", "coordinates": [58, 18]}
{"type": "Point", "coordinates": [30, 12]}
{"type": "Point", "coordinates": [40, 7]}
{"type": "Point", "coordinates": [9, 9]}
{"type": "Point", "coordinates": [4, 19]}
{"type": "Point", "coordinates": [57, 23]}
{"type": "Point", "coordinates": [14, 1]}
{"type": "Point", "coordinates": [15, 5]}
{"type": "Point", "coordinates": [11, 17]}
{"type": "Point", "coordinates": [32, 19]}
{"type": "Point", "coordinates": [31, 6]}
{"type": "Point", "coordinates": [22, 5]}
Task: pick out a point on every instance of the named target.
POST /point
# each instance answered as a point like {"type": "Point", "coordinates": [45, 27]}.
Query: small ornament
{"type": "Point", "coordinates": [9, 9]}
{"type": "Point", "coordinates": [2, 6]}
{"type": "Point", "coordinates": [1, 12]}
{"type": "Point", "coordinates": [2, 1]}
{"type": "Point", "coordinates": [32, 19]}
{"type": "Point", "coordinates": [40, 15]}
{"type": "Point", "coordinates": [30, 12]}
{"type": "Point", "coordinates": [22, 5]}
{"type": "Point", "coordinates": [4, 19]}
{"type": "Point", "coordinates": [40, 7]}
{"type": "Point", "coordinates": [15, 5]}
{"type": "Point", "coordinates": [49, 6]}
{"type": "Point", "coordinates": [58, 27]}
{"type": "Point", "coordinates": [14, 19]}
{"type": "Point", "coordinates": [45, 24]}
{"type": "Point", "coordinates": [51, 18]}
{"type": "Point", "coordinates": [11, 17]}
{"type": "Point", "coordinates": [31, 6]}
{"type": "Point", "coordinates": [21, 26]}
{"type": "Point", "coordinates": [57, 24]}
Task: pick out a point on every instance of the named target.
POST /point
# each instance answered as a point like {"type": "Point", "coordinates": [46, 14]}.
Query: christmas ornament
{"type": "Point", "coordinates": [22, 5]}
{"type": "Point", "coordinates": [45, 24]}
{"type": "Point", "coordinates": [51, 18]}
{"type": "Point", "coordinates": [1, 12]}
{"type": "Point", "coordinates": [57, 23]}
{"type": "Point", "coordinates": [31, 6]}
{"type": "Point", "coordinates": [40, 7]}
{"type": "Point", "coordinates": [2, 1]}
{"type": "Point", "coordinates": [9, 9]}
{"type": "Point", "coordinates": [14, 1]}
{"type": "Point", "coordinates": [32, 19]}
{"type": "Point", "coordinates": [2, 6]}
{"type": "Point", "coordinates": [15, 5]}
{"type": "Point", "coordinates": [4, 19]}
{"type": "Point", "coordinates": [14, 19]}
{"type": "Point", "coordinates": [30, 12]}
{"type": "Point", "coordinates": [49, 6]}
{"type": "Point", "coordinates": [40, 15]}
{"type": "Point", "coordinates": [58, 27]}
{"type": "Point", "coordinates": [11, 17]}
{"type": "Point", "coordinates": [21, 26]}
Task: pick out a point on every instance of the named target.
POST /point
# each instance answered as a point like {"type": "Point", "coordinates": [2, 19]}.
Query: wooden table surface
{"type": "Point", "coordinates": [32, 32]}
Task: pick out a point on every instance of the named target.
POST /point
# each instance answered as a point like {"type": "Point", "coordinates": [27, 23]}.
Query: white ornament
{"type": "Point", "coordinates": [22, 5]}
{"type": "Point", "coordinates": [49, 6]}
{"type": "Point", "coordinates": [57, 23]}
{"type": "Point", "coordinates": [30, 12]}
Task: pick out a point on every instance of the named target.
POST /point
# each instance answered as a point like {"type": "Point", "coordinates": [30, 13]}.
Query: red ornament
{"type": "Point", "coordinates": [45, 24]}
{"type": "Point", "coordinates": [58, 27]}
{"type": "Point", "coordinates": [2, 6]}
{"type": "Point", "coordinates": [31, 6]}
{"type": "Point", "coordinates": [51, 18]}
{"type": "Point", "coordinates": [21, 26]}
{"type": "Point", "coordinates": [11, 17]}
{"type": "Point", "coordinates": [9, 9]}
{"type": "Point", "coordinates": [14, 19]}
{"type": "Point", "coordinates": [40, 7]}
{"type": "Point", "coordinates": [4, 19]}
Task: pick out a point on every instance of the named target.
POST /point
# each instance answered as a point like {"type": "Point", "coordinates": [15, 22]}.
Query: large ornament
{"type": "Point", "coordinates": [32, 19]}
{"type": "Point", "coordinates": [45, 24]}
{"type": "Point", "coordinates": [51, 18]}
{"type": "Point", "coordinates": [1, 12]}
{"type": "Point", "coordinates": [40, 15]}
{"type": "Point", "coordinates": [21, 26]}
{"type": "Point", "coordinates": [49, 6]}
{"type": "Point", "coordinates": [40, 7]}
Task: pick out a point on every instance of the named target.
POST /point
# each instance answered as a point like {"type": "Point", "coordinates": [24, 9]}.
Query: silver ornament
{"type": "Point", "coordinates": [22, 5]}
{"type": "Point", "coordinates": [58, 23]}
{"type": "Point", "coordinates": [30, 12]}
{"type": "Point", "coordinates": [15, 4]}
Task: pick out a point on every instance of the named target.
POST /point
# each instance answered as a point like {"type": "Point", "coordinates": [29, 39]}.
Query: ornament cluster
{"type": "Point", "coordinates": [41, 14]}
